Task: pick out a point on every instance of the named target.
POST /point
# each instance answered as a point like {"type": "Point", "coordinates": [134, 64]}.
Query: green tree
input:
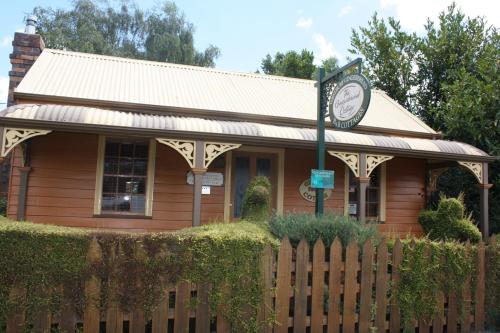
{"type": "Point", "coordinates": [329, 64]}
{"type": "Point", "coordinates": [450, 78]}
{"type": "Point", "coordinates": [122, 29]}
{"type": "Point", "coordinates": [290, 64]}
{"type": "Point", "coordinates": [389, 57]}
{"type": "Point", "coordinates": [452, 48]}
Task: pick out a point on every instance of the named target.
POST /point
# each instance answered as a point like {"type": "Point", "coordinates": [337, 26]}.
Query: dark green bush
{"type": "Point", "coordinates": [449, 222]}
{"type": "Point", "coordinates": [3, 206]}
{"type": "Point", "coordinates": [327, 227]}
{"type": "Point", "coordinates": [257, 200]}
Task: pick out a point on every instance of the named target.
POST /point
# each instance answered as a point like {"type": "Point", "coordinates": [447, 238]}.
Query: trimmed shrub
{"type": "Point", "coordinates": [327, 227]}
{"type": "Point", "coordinates": [257, 200]}
{"type": "Point", "coordinates": [449, 222]}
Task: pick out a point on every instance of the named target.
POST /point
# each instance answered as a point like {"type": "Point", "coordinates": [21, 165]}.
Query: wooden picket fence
{"type": "Point", "coordinates": [355, 281]}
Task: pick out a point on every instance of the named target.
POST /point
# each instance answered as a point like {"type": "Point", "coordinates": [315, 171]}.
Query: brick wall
{"type": "Point", "coordinates": [26, 49]}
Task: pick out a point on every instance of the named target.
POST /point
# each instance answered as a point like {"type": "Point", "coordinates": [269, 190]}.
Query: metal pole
{"type": "Point", "coordinates": [320, 149]}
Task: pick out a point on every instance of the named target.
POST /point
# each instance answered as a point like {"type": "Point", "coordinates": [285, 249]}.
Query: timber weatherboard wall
{"type": "Point", "coordinates": [298, 165]}
{"type": "Point", "coordinates": [405, 195]}
{"type": "Point", "coordinates": [62, 187]}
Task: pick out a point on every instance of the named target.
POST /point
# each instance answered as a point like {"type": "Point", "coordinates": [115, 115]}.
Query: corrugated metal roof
{"type": "Point", "coordinates": [70, 115]}
{"type": "Point", "coordinates": [111, 79]}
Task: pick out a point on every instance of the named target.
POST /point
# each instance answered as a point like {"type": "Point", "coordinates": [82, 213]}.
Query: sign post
{"type": "Point", "coordinates": [345, 99]}
{"type": "Point", "coordinates": [320, 149]}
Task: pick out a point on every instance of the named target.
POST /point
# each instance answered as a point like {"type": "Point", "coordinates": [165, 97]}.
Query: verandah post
{"type": "Point", "coordinates": [198, 172]}
{"type": "Point", "coordinates": [363, 181]}
{"type": "Point", "coordinates": [484, 204]}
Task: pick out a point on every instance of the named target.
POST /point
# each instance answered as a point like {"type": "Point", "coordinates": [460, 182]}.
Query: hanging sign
{"type": "Point", "coordinates": [322, 178]}
{"type": "Point", "coordinates": [349, 101]}
{"type": "Point", "coordinates": [309, 193]}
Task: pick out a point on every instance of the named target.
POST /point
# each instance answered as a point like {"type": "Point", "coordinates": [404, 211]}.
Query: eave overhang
{"type": "Point", "coordinates": [9, 118]}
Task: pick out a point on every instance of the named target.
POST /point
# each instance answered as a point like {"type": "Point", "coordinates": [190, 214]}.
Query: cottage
{"type": "Point", "coordinates": [107, 142]}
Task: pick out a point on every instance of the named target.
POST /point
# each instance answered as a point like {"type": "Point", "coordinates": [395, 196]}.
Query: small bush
{"type": "Point", "coordinates": [449, 222]}
{"type": "Point", "coordinates": [326, 227]}
{"type": "Point", "coordinates": [257, 200]}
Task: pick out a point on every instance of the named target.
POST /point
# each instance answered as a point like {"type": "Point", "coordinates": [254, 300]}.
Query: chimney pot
{"type": "Point", "coordinates": [31, 25]}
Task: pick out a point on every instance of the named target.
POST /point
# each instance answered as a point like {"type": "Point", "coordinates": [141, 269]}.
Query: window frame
{"type": "Point", "coordinates": [148, 207]}
{"type": "Point", "coordinates": [382, 189]}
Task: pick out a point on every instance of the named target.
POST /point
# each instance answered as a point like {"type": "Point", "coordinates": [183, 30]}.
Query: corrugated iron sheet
{"type": "Point", "coordinates": [93, 116]}
{"type": "Point", "coordinates": [96, 77]}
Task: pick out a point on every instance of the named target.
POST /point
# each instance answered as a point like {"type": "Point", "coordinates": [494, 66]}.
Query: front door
{"type": "Point", "coordinates": [247, 165]}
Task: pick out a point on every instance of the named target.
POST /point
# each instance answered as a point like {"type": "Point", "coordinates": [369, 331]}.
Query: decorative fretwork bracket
{"type": "Point", "coordinates": [372, 161]}
{"type": "Point", "coordinates": [14, 136]}
{"type": "Point", "coordinates": [214, 149]}
{"type": "Point", "coordinates": [475, 167]}
{"type": "Point", "coordinates": [186, 148]}
{"type": "Point", "coordinates": [351, 159]}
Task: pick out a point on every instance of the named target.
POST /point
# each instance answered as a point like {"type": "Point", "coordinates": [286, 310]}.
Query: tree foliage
{"type": "Point", "coordinates": [290, 64]}
{"type": "Point", "coordinates": [449, 76]}
{"type": "Point", "coordinates": [389, 56]}
{"type": "Point", "coordinates": [299, 65]}
{"type": "Point", "coordinates": [121, 28]}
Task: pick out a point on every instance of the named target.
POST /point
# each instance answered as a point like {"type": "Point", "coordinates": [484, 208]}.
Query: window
{"type": "Point", "coordinates": [124, 177]}
{"type": "Point", "coordinates": [375, 195]}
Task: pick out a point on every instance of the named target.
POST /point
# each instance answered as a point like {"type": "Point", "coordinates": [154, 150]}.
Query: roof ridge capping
{"type": "Point", "coordinates": [170, 64]}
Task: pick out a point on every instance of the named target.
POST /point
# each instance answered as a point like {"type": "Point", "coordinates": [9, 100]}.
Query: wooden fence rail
{"type": "Point", "coordinates": [319, 289]}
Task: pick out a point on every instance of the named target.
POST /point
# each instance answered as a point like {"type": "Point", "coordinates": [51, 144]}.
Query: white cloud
{"type": "Point", "coordinates": [5, 41]}
{"type": "Point", "coordinates": [346, 10]}
{"type": "Point", "coordinates": [304, 23]}
{"type": "Point", "coordinates": [325, 49]}
{"type": "Point", "coordinates": [413, 14]}
{"type": "Point", "coordinates": [4, 89]}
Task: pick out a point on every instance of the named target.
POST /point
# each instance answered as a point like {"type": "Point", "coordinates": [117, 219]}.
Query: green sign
{"type": "Point", "coordinates": [349, 101]}
{"type": "Point", "coordinates": [322, 179]}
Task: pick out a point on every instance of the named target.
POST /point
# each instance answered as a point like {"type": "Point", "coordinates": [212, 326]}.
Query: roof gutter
{"type": "Point", "coordinates": [250, 140]}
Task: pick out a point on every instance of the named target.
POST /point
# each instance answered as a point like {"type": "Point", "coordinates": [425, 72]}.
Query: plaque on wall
{"type": "Point", "coordinates": [309, 193]}
{"type": "Point", "coordinates": [209, 179]}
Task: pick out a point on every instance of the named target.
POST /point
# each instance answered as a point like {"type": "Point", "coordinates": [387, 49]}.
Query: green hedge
{"type": "Point", "coordinates": [41, 258]}
{"type": "Point", "coordinates": [493, 285]}
{"type": "Point", "coordinates": [310, 227]}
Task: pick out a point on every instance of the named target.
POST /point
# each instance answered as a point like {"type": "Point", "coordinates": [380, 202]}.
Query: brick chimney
{"type": "Point", "coordinates": [27, 46]}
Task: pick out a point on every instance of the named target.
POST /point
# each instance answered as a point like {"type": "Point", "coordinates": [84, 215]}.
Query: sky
{"type": "Point", "coordinates": [246, 31]}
